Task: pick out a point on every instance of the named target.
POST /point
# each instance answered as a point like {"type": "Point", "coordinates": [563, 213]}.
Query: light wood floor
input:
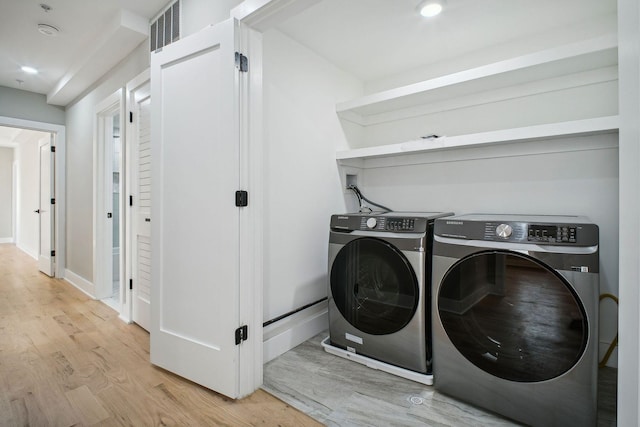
{"type": "Point", "coordinates": [67, 360]}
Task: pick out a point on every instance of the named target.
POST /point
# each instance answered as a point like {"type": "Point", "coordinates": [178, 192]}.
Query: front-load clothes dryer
{"type": "Point", "coordinates": [379, 287]}
{"type": "Point", "coordinates": [515, 311]}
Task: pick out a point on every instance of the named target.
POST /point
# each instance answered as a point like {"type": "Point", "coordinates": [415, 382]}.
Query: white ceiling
{"type": "Point", "coordinates": [67, 61]}
{"type": "Point", "coordinates": [373, 39]}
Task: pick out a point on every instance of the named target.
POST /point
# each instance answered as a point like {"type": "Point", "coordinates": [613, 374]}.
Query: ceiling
{"type": "Point", "coordinates": [94, 36]}
{"type": "Point", "coordinates": [373, 39]}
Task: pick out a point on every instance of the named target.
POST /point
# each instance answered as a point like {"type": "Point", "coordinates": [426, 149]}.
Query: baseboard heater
{"type": "Point", "coordinates": [292, 312]}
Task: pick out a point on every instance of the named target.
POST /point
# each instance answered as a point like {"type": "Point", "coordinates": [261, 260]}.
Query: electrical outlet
{"type": "Point", "coordinates": [351, 179]}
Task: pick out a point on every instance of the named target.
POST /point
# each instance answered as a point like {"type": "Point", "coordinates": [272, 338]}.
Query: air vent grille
{"type": "Point", "coordinates": [165, 29]}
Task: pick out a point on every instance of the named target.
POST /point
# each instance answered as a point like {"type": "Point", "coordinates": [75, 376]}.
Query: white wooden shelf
{"type": "Point", "coordinates": [560, 61]}
{"type": "Point", "coordinates": [599, 125]}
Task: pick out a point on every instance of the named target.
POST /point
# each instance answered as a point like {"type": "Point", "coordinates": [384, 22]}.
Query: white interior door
{"type": "Point", "coordinates": [46, 208]}
{"type": "Point", "coordinates": [195, 295]}
{"type": "Point", "coordinates": [139, 146]}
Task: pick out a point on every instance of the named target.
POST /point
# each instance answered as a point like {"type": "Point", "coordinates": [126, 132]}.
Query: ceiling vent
{"type": "Point", "coordinates": [165, 29]}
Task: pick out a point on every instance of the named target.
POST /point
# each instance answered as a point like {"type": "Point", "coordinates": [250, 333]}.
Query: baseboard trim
{"type": "Point", "coordinates": [6, 239]}
{"type": "Point", "coordinates": [81, 283]}
{"type": "Point", "coordinates": [31, 252]}
{"type": "Point", "coordinates": [282, 336]}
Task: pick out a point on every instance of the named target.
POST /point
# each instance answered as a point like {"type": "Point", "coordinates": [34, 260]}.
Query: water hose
{"type": "Point", "coordinates": [614, 343]}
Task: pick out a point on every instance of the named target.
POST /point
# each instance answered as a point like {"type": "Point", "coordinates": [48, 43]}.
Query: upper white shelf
{"type": "Point", "coordinates": [559, 61]}
{"type": "Point", "coordinates": [530, 133]}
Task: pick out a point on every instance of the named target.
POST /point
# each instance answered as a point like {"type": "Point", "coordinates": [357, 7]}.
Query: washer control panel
{"type": "Point", "coordinates": [401, 224]}
{"type": "Point", "coordinates": [388, 223]}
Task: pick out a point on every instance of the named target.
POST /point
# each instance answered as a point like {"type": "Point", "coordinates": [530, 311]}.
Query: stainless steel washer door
{"type": "Point", "coordinates": [512, 317]}
{"type": "Point", "coordinates": [373, 286]}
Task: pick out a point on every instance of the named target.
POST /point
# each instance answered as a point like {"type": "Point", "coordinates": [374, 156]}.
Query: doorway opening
{"type": "Point", "coordinates": [108, 206]}
{"type": "Point", "coordinates": [37, 217]}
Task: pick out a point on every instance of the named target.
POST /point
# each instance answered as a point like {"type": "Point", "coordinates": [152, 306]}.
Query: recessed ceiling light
{"type": "Point", "coordinates": [29, 70]}
{"type": "Point", "coordinates": [430, 8]}
{"type": "Point", "coordinates": [48, 30]}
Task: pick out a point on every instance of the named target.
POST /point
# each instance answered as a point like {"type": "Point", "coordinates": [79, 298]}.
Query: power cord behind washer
{"type": "Point", "coordinates": [361, 198]}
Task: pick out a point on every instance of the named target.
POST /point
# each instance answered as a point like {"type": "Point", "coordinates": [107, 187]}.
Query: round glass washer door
{"type": "Point", "coordinates": [373, 286]}
{"type": "Point", "coordinates": [512, 316]}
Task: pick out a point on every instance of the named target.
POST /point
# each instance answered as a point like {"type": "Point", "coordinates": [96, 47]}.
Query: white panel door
{"type": "Point", "coordinates": [46, 209]}
{"type": "Point", "coordinates": [195, 304]}
{"type": "Point", "coordinates": [139, 144]}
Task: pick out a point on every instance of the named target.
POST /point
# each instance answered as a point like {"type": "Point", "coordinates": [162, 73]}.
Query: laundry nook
{"type": "Point", "coordinates": [320, 212]}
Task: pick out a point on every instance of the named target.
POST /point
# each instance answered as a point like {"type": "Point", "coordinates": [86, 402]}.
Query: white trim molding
{"type": "Point", "coordinates": [292, 331]}
{"type": "Point", "coordinates": [81, 283]}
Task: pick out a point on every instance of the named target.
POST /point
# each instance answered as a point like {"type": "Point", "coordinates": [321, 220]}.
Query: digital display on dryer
{"type": "Point", "coordinates": [551, 233]}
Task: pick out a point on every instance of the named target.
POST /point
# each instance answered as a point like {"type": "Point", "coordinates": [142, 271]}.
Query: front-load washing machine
{"type": "Point", "coordinates": [379, 287]}
{"type": "Point", "coordinates": [515, 309]}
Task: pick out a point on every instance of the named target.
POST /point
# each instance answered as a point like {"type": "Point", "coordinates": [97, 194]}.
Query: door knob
{"type": "Point", "coordinates": [37, 211]}
{"type": "Point", "coordinates": [109, 215]}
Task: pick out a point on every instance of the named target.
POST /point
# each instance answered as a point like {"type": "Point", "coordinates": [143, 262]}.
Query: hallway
{"type": "Point", "coordinates": [68, 360]}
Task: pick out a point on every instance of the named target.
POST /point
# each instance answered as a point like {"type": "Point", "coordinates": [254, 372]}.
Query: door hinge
{"type": "Point", "coordinates": [53, 148]}
{"type": "Point", "coordinates": [241, 334]}
{"type": "Point", "coordinates": [130, 284]}
{"type": "Point", "coordinates": [130, 116]}
{"type": "Point", "coordinates": [53, 253]}
{"type": "Point", "coordinates": [53, 201]}
{"type": "Point", "coordinates": [242, 63]}
{"type": "Point", "coordinates": [242, 198]}
{"type": "Point", "coordinates": [130, 200]}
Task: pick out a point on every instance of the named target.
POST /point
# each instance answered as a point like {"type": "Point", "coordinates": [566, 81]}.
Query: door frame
{"type": "Point", "coordinates": [58, 133]}
{"type": "Point", "coordinates": [102, 254]}
{"type": "Point", "coordinates": [130, 176]}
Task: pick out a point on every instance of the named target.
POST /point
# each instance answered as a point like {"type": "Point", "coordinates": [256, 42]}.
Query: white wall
{"type": "Point", "coordinates": [197, 14]}
{"type": "Point", "coordinates": [27, 158]}
{"type": "Point", "coordinates": [301, 136]}
{"type": "Point", "coordinates": [6, 194]}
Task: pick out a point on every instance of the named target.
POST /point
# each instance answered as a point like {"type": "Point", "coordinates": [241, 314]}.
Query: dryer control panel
{"type": "Point", "coordinates": [518, 230]}
{"type": "Point", "coordinates": [545, 233]}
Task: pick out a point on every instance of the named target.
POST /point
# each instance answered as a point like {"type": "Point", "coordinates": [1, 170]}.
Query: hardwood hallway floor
{"type": "Point", "coordinates": [67, 360]}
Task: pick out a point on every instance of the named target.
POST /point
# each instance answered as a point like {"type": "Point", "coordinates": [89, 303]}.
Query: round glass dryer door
{"type": "Point", "coordinates": [374, 286]}
{"type": "Point", "coordinates": [512, 317]}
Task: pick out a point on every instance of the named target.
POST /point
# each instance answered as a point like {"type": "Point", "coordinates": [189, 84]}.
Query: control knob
{"type": "Point", "coordinates": [504, 230]}
{"type": "Point", "coordinates": [372, 222]}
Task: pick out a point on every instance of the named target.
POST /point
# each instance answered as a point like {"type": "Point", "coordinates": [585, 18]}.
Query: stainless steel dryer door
{"type": "Point", "coordinates": [374, 286]}
{"type": "Point", "coordinates": [512, 316]}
